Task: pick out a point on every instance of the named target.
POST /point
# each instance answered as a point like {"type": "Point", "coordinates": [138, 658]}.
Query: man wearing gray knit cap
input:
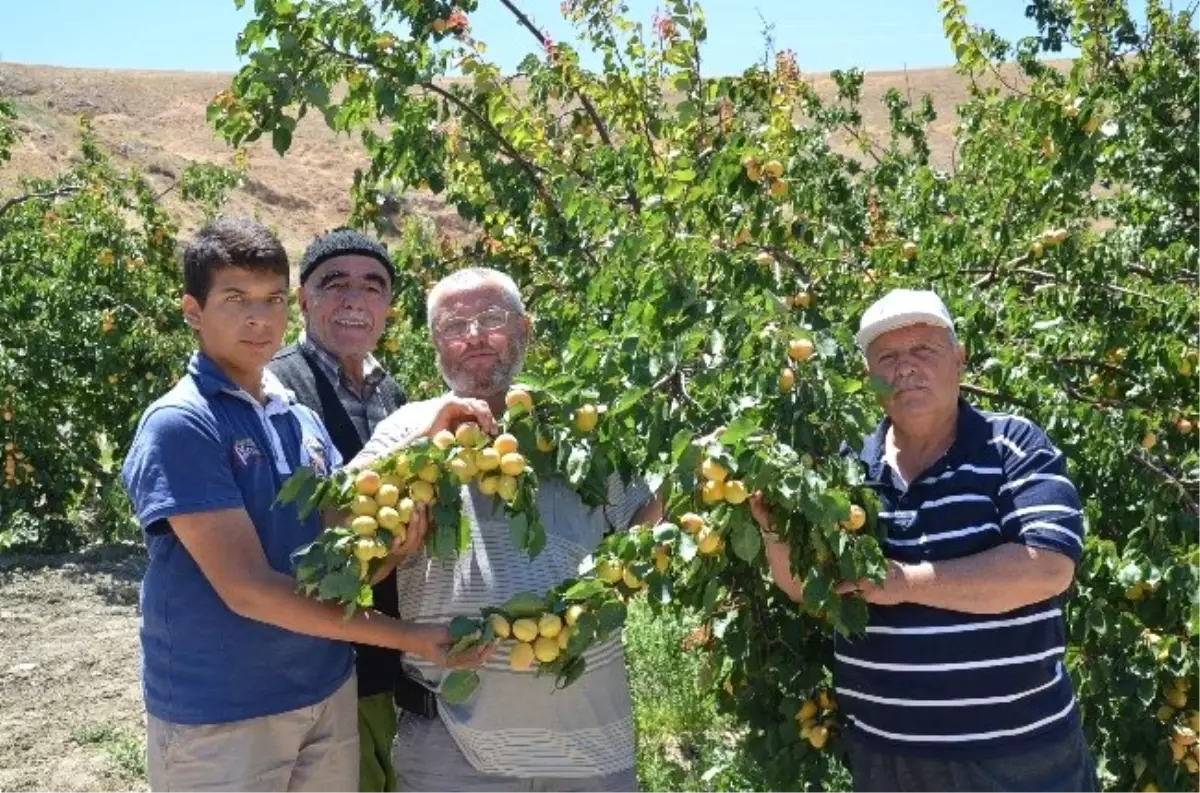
{"type": "Point", "coordinates": [345, 291]}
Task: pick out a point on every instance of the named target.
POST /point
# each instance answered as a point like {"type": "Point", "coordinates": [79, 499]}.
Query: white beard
{"type": "Point", "coordinates": [480, 386]}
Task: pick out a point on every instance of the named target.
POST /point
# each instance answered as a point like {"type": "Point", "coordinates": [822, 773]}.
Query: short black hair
{"type": "Point", "coordinates": [230, 242]}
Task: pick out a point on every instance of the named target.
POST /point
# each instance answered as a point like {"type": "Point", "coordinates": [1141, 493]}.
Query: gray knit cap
{"type": "Point", "coordinates": [344, 242]}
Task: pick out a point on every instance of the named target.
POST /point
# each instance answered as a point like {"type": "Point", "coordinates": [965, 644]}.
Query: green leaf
{"type": "Point", "coordinates": [537, 538]}
{"type": "Point", "coordinates": [317, 93]}
{"type": "Point", "coordinates": [458, 686]}
{"type": "Point", "coordinates": [341, 586]}
{"type": "Point", "coordinates": [584, 589]}
{"type": "Point", "coordinates": [738, 430]}
{"type": "Point", "coordinates": [746, 540]}
{"type": "Point", "coordinates": [523, 604]}
{"type": "Point", "coordinates": [583, 635]}
{"type": "Point", "coordinates": [293, 485]}
{"type": "Point", "coordinates": [281, 140]}
{"type": "Point", "coordinates": [518, 531]}
{"type": "Point", "coordinates": [816, 589]}
{"type": "Point", "coordinates": [462, 626]}
{"type": "Point", "coordinates": [712, 594]}
{"type": "Point", "coordinates": [571, 672]}
{"type": "Point", "coordinates": [611, 616]}
{"type": "Point", "coordinates": [680, 444]}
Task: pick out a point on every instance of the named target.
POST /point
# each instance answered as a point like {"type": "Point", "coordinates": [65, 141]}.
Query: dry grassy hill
{"type": "Point", "coordinates": [156, 122]}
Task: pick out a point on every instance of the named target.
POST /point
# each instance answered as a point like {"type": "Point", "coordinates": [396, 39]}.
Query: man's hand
{"type": "Point", "coordinates": [762, 517]}
{"type": "Point", "coordinates": [455, 410]}
{"type": "Point", "coordinates": [778, 552]}
{"type": "Point", "coordinates": [421, 419]}
{"type": "Point", "coordinates": [895, 589]}
{"type": "Point", "coordinates": [414, 537]}
{"type": "Point", "coordinates": [433, 643]}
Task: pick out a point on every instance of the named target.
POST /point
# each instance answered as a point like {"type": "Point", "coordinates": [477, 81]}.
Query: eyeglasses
{"type": "Point", "coordinates": [486, 320]}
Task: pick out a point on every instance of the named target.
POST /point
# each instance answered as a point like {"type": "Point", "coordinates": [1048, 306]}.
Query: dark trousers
{"type": "Point", "coordinates": [1062, 764]}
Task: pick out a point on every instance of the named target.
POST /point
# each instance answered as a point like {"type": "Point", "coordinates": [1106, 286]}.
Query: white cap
{"type": "Point", "coordinates": [899, 309]}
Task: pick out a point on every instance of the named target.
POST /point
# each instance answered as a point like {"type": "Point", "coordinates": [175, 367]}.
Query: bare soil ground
{"type": "Point", "coordinates": [155, 121]}
{"type": "Point", "coordinates": [71, 714]}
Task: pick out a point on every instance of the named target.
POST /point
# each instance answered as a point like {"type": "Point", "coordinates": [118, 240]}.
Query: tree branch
{"type": "Point", "coordinates": [1078, 395]}
{"type": "Point", "coordinates": [1120, 290]}
{"type": "Point", "coordinates": [1103, 364]}
{"type": "Point", "coordinates": [527, 23]}
{"type": "Point", "coordinates": [994, 272]}
{"type": "Point", "coordinates": [975, 390]}
{"type": "Point", "coordinates": [1185, 494]}
{"type": "Point", "coordinates": [57, 192]}
{"type": "Point", "coordinates": [584, 100]}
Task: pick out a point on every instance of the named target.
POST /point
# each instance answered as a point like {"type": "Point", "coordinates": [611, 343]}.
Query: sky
{"type": "Point", "coordinates": [199, 35]}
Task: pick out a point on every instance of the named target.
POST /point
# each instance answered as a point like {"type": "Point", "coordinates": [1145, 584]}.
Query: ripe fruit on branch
{"type": "Point", "coordinates": [364, 526]}
{"type": "Point", "coordinates": [525, 630]}
{"type": "Point", "coordinates": [709, 542]}
{"type": "Point", "coordinates": [712, 492]}
{"type": "Point", "coordinates": [519, 400]}
{"type": "Point", "coordinates": [521, 657]}
{"type": "Point", "coordinates": [367, 482]}
{"type": "Point", "coordinates": [713, 471]}
{"type": "Point", "coordinates": [500, 626]}
{"type": "Point", "coordinates": [586, 417]}
{"type": "Point", "coordinates": [857, 519]}
{"type": "Point", "coordinates": [691, 522]}
{"type": "Point", "coordinates": [800, 350]}
{"type": "Point", "coordinates": [469, 435]}
{"type": "Point", "coordinates": [363, 505]}
{"type": "Point", "coordinates": [752, 169]}
{"type": "Point", "coordinates": [513, 464]}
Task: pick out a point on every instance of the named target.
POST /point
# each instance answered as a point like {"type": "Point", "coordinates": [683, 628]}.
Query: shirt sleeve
{"type": "Point", "coordinates": [178, 465]}
{"type": "Point", "coordinates": [396, 431]}
{"type": "Point", "coordinates": [624, 500]}
{"type": "Point", "coordinates": [1040, 506]}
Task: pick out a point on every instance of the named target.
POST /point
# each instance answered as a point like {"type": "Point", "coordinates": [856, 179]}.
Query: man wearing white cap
{"type": "Point", "coordinates": [959, 682]}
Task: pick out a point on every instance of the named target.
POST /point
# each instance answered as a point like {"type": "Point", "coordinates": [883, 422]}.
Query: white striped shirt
{"type": "Point", "coordinates": [517, 724]}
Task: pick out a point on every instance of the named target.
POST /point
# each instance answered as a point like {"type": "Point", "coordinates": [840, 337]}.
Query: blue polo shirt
{"type": "Point", "coordinates": [932, 682]}
{"type": "Point", "coordinates": [208, 445]}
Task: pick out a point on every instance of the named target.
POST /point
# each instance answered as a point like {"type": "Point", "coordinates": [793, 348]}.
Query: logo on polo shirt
{"type": "Point", "coordinates": [246, 451]}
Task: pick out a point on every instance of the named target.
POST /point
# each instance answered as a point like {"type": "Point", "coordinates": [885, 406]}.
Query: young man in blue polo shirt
{"type": "Point", "coordinates": [959, 682]}
{"type": "Point", "coordinates": [248, 684]}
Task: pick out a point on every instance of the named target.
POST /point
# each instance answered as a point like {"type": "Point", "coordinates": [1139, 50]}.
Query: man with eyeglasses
{"type": "Point", "coordinates": [516, 732]}
{"type": "Point", "coordinates": [345, 292]}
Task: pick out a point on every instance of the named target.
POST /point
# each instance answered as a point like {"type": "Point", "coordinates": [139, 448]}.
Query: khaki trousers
{"type": "Point", "coordinates": [312, 748]}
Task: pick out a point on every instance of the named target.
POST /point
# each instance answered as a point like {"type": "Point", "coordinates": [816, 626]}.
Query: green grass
{"type": "Point", "coordinates": [125, 749]}
{"type": "Point", "coordinates": [683, 741]}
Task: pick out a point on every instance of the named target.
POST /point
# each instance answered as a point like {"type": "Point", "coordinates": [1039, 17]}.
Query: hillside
{"type": "Point", "coordinates": [156, 122]}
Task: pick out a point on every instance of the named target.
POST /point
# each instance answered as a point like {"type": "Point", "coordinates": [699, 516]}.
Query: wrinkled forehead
{"type": "Point", "coordinates": [907, 337]}
{"type": "Point", "coordinates": [469, 300]}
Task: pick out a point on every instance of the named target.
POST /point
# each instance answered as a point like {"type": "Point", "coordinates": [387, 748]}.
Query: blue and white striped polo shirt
{"type": "Point", "coordinates": [933, 682]}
